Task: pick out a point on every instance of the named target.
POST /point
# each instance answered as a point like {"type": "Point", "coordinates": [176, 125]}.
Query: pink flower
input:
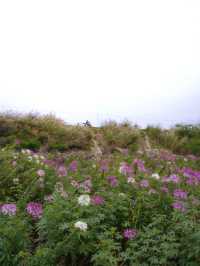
{"type": "Point", "coordinates": [9, 209]}
{"type": "Point", "coordinates": [14, 163]}
{"type": "Point", "coordinates": [41, 172]}
{"type": "Point", "coordinates": [97, 200]}
{"type": "Point", "coordinates": [34, 209]}
{"type": "Point", "coordinates": [130, 233]}
{"type": "Point", "coordinates": [62, 171]}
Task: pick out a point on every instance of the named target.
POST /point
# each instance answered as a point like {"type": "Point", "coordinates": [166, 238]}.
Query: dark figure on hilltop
{"type": "Point", "coordinates": [87, 124]}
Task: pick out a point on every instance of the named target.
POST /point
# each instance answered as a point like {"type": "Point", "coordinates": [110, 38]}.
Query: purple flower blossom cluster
{"type": "Point", "coordinates": [129, 233]}
{"type": "Point", "coordinates": [180, 194]}
{"type": "Point", "coordinates": [8, 209]}
{"type": "Point", "coordinates": [140, 165]}
{"type": "Point", "coordinates": [172, 178]}
{"type": "Point", "coordinates": [62, 171]}
{"type": "Point", "coordinates": [97, 200]}
{"type": "Point", "coordinates": [125, 169]}
{"type": "Point", "coordinates": [73, 166]}
{"type": "Point", "coordinates": [34, 209]}
{"type": "Point", "coordinates": [178, 205]}
{"type": "Point", "coordinates": [112, 181]}
{"type": "Point", "coordinates": [193, 177]}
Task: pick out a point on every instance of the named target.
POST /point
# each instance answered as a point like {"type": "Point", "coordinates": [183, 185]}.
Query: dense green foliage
{"type": "Point", "coordinates": [124, 209]}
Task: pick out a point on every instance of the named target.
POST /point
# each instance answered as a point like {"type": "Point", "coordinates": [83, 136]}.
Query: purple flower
{"type": "Point", "coordinates": [164, 189]}
{"type": "Point", "coordinates": [130, 233]}
{"type": "Point", "coordinates": [34, 209]}
{"type": "Point", "coordinates": [97, 200]}
{"type": "Point", "coordinates": [125, 169]}
{"type": "Point", "coordinates": [62, 171]}
{"type": "Point", "coordinates": [178, 205]}
{"type": "Point", "coordinates": [140, 165]}
{"type": "Point", "coordinates": [192, 180]}
{"type": "Point", "coordinates": [73, 166]}
{"type": "Point", "coordinates": [9, 209]}
{"type": "Point", "coordinates": [180, 194]}
{"type": "Point", "coordinates": [144, 183]}
{"type": "Point", "coordinates": [173, 178]}
{"type": "Point", "coordinates": [104, 167]}
{"type": "Point", "coordinates": [112, 181]}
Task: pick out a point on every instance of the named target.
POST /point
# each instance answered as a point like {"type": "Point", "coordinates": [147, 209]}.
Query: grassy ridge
{"type": "Point", "coordinates": [49, 133]}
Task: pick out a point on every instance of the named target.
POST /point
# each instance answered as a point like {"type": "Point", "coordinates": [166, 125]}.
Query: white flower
{"type": "Point", "coordinates": [30, 158]}
{"type": "Point", "coordinates": [156, 176]}
{"type": "Point", "coordinates": [81, 225]}
{"type": "Point", "coordinates": [84, 200]}
{"type": "Point", "coordinates": [131, 180]}
{"type": "Point", "coordinates": [121, 168]}
{"type": "Point", "coordinates": [16, 180]}
{"type": "Point", "coordinates": [42, 157]}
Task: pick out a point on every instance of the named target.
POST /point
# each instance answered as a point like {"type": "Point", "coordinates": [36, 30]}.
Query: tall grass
{"type": "Point", "coordinates": [49, 133]}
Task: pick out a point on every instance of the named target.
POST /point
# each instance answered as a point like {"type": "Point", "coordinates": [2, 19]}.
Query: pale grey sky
{"type": "Point", "coordinates": [100, 60]}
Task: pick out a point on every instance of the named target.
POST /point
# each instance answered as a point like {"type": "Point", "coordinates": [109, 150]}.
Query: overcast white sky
{"type": "Point", "coordinates": [105, 59]}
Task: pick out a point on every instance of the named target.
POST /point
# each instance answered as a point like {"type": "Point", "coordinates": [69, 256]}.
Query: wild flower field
{"type": "Point", "coordinates": [124, 208]}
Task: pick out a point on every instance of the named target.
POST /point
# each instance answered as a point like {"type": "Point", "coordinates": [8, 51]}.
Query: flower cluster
{"type": "Point", "coordinates": [84, 200]}
{"type": "Point", "coordinates": [112, 181]}
{"type": "Point", "coordinates": [8, 209]}
{"type": "Point", "coordinates": [34, 209]}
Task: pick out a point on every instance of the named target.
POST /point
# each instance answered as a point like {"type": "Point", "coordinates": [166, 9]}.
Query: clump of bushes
{"type": "Point", "coordinates": [46, 132]}
{"type": "Point", "coordinates": [191, 136]}
{"type": "Point", "coordinates": [122, 135]}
